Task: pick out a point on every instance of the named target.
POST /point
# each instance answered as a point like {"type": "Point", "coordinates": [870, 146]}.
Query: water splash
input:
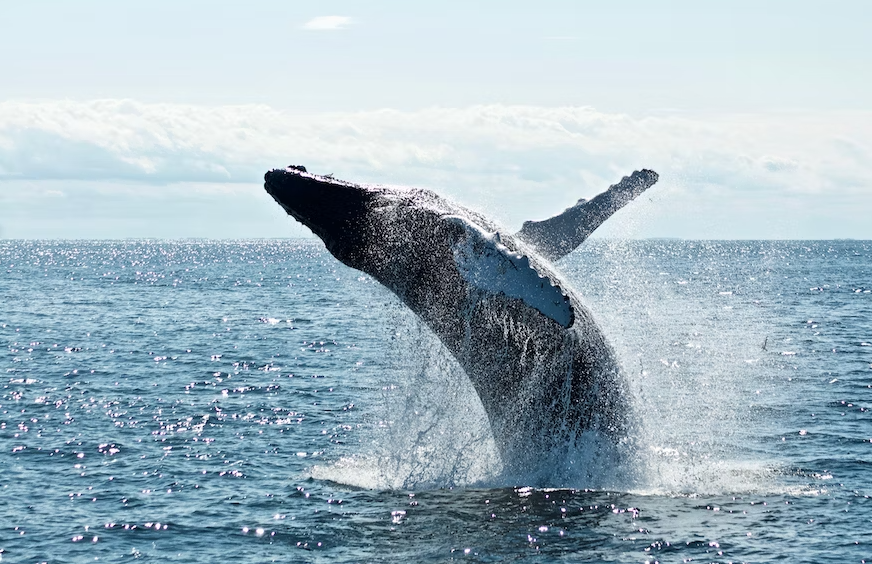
{"type": "Point", "coordinates": [430, 430]}
{"type": "Point", "coordinates": [700, 388]}
{"type": "Point", "coordinates": [688, 327]}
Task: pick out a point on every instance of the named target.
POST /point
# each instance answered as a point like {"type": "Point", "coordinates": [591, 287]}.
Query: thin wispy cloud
{"type": "Point", "coordinates": [327, 23]}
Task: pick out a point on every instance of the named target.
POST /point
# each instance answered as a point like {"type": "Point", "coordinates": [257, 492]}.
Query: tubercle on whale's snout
{"type": "Point", "coordinates": [274, 178]}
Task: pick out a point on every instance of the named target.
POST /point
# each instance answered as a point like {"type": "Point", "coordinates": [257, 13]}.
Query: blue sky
{"type": "Point", "coordinates": [158, 119]}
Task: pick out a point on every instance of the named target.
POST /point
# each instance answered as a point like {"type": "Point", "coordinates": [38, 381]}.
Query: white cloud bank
{"type": "Point", "coordinates": [532, 160]}
{"type": "Point", "coordinates": [327, 23]}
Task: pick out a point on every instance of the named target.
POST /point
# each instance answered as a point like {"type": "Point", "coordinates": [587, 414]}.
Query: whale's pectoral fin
{"type": "Point", "coordinates": [488, 266]}
{"type": "Point", "coordinates": [558, 236]}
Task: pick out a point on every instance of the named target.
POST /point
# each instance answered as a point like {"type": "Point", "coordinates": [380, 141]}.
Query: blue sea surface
{"type": "Point", "coordinates": [257, 401]}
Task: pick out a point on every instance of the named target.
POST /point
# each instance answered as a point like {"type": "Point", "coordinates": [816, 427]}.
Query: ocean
{"type": "Point", "coordinates": [257, 401]}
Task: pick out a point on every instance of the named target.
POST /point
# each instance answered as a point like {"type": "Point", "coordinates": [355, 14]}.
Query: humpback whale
{"type": "Point", "coordinates": [542, 367]}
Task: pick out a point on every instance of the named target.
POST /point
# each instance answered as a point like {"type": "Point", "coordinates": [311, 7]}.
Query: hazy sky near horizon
{"type": "Point", "coordinates": [159, 119]}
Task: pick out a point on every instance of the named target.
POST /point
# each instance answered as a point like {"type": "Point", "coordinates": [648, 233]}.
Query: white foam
{"type": "Point", "coordinates": [355, 471]}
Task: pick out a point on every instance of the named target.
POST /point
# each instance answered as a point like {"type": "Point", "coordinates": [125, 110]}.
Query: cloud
{"type": "Point", "coordinates": [482, 155]}
{"type": "Point", "coordinates": [776, 164]}
{"type": "Point", "coordinates": [326, 23]}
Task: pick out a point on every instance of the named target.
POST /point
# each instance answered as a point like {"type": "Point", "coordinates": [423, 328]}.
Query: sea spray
{"type": "Point", "coordinates": [431, 431]}
{"type": "Point", "coordinates": [689, 337]}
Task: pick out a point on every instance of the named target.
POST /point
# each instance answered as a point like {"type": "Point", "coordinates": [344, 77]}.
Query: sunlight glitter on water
{"type": "Point", "coordinates": [122, 442]}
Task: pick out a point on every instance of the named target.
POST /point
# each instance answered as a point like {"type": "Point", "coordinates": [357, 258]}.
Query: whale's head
{"type": "Point", "coordinates": [369, 227]}
{"type": "Point", "coordinates": [334, 210]}
{"type": "Point", "coordinates": [416, 243]}
{"type": "Point", "coordinates": [362, 225]}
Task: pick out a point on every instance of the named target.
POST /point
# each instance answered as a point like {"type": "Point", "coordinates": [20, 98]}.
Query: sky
{"type": "Point", "coordinates": [158, 119]}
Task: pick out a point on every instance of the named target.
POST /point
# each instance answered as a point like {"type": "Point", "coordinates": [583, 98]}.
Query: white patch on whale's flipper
{"type": "Point", "coordinates": [489, 266]}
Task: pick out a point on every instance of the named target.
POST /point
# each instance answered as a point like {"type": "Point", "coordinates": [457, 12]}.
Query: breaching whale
{"type": "Point", "coordinates": [542, 367]}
